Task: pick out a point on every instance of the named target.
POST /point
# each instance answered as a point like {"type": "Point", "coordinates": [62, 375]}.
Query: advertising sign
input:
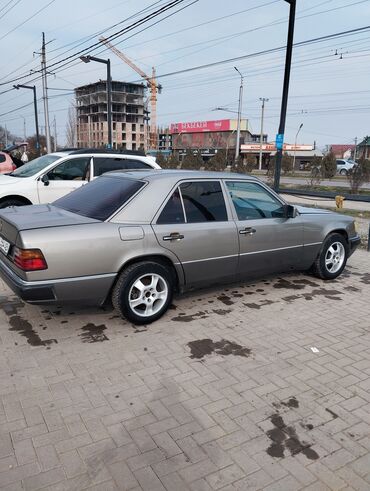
{"type": "Point", "coordinates": [207, 126]}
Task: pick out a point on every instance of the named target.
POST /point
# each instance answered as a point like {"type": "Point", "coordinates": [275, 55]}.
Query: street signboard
{"type": "Point", "coordinates": [279, 142]}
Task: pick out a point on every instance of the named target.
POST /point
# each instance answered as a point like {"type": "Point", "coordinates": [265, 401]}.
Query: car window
{"type": "Point", "coordinates": [173, 211]}
{"type": "Point", "coordinates": [100, 198]}
{"type": "Point", "coordinates": [108, 164]}
{"type": "Point", "coordinates": [35, 166]}
{"type": "Point", "coordinates": [2, 158]}
{"type": "Point", "coordinates": [71, 170]}
{"type": "Point", "coordinates": [252, 201]}
{"type": "Point", "coordinates": [203, 201]}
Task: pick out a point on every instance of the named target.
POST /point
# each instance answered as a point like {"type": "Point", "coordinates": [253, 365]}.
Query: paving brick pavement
{"type": "Point", "coordinates": [223, 393]}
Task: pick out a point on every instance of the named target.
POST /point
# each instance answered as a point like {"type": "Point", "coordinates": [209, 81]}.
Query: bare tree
{"type": "Point", "coordinates": [71, 127]}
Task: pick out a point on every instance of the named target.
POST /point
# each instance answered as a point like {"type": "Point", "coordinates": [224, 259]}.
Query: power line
{"type": "Point", "coordinates": [29, 18]}
{"type": "Point", "coordinates": [10, 8]}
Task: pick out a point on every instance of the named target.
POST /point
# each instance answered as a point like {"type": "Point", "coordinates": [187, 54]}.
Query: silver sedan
{"type": "Point", "coordinates": [137, 237]}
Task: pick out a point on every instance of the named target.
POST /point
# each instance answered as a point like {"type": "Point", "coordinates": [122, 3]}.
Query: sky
{"type": "Point", "coordinates": [329, 87]}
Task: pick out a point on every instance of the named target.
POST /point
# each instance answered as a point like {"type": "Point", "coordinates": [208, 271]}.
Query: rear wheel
{"type": "Point", "coordinates": [343, 172]}
{"type": "Point", "coordinates": [332, 258]}
{"type": "Point", "coordinates": [143, 292]}
{"type": "Point", "coordinates": [11, 202]}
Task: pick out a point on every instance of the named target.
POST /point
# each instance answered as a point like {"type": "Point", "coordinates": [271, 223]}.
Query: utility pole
{"type": "Point", "coordinates": [33, 88]}
{"type": "Point", "coordinates": [55, 134]}
{"type": "Point", "coordinates": [45, 94]}
{"type": "Point", "coordinates": [6, 136]}
{"type": "Point", "coordinates": [24, 128]}
{"type": "Point", "coordinates": [284, 102]}
{"type": "Point", "coordinates": [237, 149]}
{"type": "Point", "coordinates": [295, 145]}
{"type": "Point", "coordinates": [263, 99]}
{"type": "Point", "coordinates": [355, 150]}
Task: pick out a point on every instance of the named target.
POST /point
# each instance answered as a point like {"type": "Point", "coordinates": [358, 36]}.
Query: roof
{"type": "Point", "coordinates": [341, 148]}
{"type": "Point", "coordinates": [365, 142]}
{"type": "Point", "coordinates": [176, 174]}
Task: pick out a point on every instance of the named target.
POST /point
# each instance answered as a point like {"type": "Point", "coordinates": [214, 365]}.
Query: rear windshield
{"type": "Point", "coordinates": [100, 198]}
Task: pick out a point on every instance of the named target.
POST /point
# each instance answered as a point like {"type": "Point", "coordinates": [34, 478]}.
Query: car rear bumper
{"type": "Point", "coordinates": [354, 242]}
{"type": "Point", "coordinates": [81, 290]}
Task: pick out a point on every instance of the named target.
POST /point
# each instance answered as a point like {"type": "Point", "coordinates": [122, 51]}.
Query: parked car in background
{"type": "Point", "coordinates": [136, 237]}
{"type": "Point", "coordinates": [344, 166]}
{"type": "Point", "coordinates": [6, 163]}
{"type": "Point", "coordinates": [51, 176]}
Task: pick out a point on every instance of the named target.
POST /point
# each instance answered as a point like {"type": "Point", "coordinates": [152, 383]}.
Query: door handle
{"type": "Point", "coordinates": [174, 236]}
{"type": "Point", "coordinates": [248, 231]}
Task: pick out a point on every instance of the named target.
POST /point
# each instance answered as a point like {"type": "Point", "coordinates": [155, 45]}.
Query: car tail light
{"type": "Point", "coordinates": [29, 259]}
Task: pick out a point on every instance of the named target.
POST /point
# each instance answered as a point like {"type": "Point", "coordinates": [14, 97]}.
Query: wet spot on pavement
{"type": "Point", "coordinates": [290, 298]}
{"type": "Point", "coordinates": [335, 416]}
{"type": "Point", "coordinates": [257, 306]}
{"type": "Point", "coordinates": [203, 347]}
{"type": "Point", "coordinates": [305, 281]}
{"type": "Point", "coordinates": [285, 437]}
{"type": "Point", "coordinates": [225, 299]}
{"type": "Point", "coordinates": [93, 334]}
{"type": "Point", "coordinates": [365, 278]}
{"type": "Point", "coordinates": [10, 307]}
{"type": "Point", "coordinates": [221, 311]}
{"type": "Point", "coordinates": [282, 283]}
{"type": "Point", "coordinates": [188, 318]}
{"type": "Point", "coordinates": [24, 328]}
{"type": "Point", "coordinates": [291, 402]}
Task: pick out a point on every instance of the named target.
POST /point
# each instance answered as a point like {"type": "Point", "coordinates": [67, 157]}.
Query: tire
{"type": "Point", "coordinates": [343, 172]}
{"type": "Point", "coordinates": [11, 202]}
{"type": "Point", "coordinates": [332, 257]}
{"type": "Point", "coordinates": [158, 296]}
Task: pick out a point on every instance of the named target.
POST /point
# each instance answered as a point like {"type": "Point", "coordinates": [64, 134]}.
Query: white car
{"type": "Point", "coordinates": [343, 166]}
{"type": "Point", "coordinates": [52, 176]}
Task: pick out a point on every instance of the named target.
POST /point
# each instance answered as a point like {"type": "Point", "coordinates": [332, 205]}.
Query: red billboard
{"type": "Point", "coordinates": [201, 126]}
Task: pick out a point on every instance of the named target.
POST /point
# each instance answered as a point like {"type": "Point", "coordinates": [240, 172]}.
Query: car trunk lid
{"type": "Point", "coordinates": [15, 219]}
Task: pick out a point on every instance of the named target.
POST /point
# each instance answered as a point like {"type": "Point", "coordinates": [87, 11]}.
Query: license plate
{"type": "Point", "coordinates": [4, 246]}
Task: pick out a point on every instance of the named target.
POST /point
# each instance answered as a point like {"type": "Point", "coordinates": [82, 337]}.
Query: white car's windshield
{"type": "Point", "coordinates": [33, 167]}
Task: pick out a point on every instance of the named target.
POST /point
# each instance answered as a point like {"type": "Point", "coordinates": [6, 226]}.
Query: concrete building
{"type": "Point", "coordinates": [208, 137]}
{"type": "Point", "coordinates": [128, 118]}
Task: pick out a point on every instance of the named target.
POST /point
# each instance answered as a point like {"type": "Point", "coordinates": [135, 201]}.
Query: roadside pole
{"type": "Point", "coordinates": [45, 94]}
{"type": "Point", "coordinates": [284, 102]}
{"type": "Point", "coordinates": [263, 99]}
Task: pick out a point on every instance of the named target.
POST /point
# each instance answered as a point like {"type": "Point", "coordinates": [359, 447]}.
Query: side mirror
{"type": "Point", "coordinates": [291, 211]}
{"type": "Point", "coordinates": [45, 180]}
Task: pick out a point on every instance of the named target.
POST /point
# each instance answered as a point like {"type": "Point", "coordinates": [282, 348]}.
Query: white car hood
{"type": "Point", "coordinates": [11, 180]}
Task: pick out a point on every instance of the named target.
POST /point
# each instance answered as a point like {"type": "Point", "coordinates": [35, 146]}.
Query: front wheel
{"type": "Point", "coordinates": [11, 202]}
{"type": "Point", "coordinates": [332, 258]}
{"type": "Point", "coordinates": [143, 292]}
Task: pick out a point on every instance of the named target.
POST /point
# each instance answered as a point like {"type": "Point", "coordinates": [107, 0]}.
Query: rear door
{"type": "Point", "coordinates": [268, 241]}
{"type": "Point", "coordinates": [64, 178]}
{"type": "Point", "coordinates": [195, 224]}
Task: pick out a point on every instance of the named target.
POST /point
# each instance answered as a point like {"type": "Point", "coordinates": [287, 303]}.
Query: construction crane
{"type": "Point", "coordinates": [152, 84]}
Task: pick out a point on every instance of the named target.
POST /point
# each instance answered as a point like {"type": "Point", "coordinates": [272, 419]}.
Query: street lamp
{"type": "Point", "coordinates": [87, 59]}
{"type": "Point", "coordinates": [295, 144]}
{"type": "Point", "coordinates": [32, 87]}
{"type": "Point", "coordinates": [263, 99]}
{"type": "Point", "coordinates": [237, 149]}
{"type": "Point", "coordinates": [284, 101]}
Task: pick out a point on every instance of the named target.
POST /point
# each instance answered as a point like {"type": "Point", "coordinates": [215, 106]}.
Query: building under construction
{"type": "Point", "coordinates": [128, 115]}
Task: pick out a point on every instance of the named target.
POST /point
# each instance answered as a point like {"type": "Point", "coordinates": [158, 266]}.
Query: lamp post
{"type": "Point", "coordinates": [32, 87]}
{"type": "Point", "coordinates": [237, 149]}
{"type": "Point", "coordinates": [295, 144]}
{"type": "Point", "coordinates": [87, 59]}
{"type": "Point", "coordinates": [284, 102]}
{"type": "Point", "coordinates": [263, 99]}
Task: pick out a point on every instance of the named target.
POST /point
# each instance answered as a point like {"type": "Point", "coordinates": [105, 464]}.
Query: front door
{"type": "Point", "coordinates": [64, 178]}
{"type": "Point", "coordinates": [269, 242]}
{"type": "Point", "coordinates": [194, 224]}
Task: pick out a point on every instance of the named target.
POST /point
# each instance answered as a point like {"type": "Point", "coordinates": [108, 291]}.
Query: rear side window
{"type": "Point", "coordinates": [203, 202]}
{"type": "Point", "coordinates": [106, 164]}
{"type": "Point", "coordinates": [100, 198]}
{"type": "Point", "coordinates": [2, 158]}
{"type": "Point", "coordinates": [173, 211]}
